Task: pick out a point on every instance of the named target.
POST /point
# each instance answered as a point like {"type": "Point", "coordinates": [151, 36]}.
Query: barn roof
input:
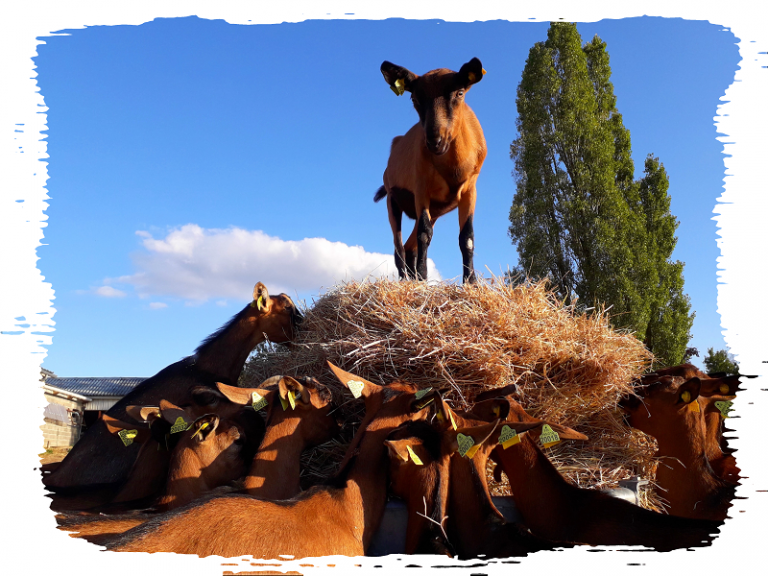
{"type": "Point", "coordinates": [96, 387]}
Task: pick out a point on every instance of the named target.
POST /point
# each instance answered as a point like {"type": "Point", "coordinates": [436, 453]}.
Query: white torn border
{"type": "Point", "coordinates": [31, 541]}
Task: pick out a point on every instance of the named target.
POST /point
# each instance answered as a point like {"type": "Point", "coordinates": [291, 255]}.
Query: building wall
{"type": "Point", "coordinates": [55, 433]}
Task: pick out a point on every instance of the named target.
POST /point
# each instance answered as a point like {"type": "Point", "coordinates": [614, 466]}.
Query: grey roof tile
{"type": "Point", "coordinates": [96, 387]}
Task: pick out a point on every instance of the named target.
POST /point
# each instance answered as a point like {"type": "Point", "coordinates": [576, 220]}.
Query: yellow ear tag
{"type": "Point", "coordinates": [292, 399]}
{"type": "Point", "coordinates": [724, 389]}
{"type": "Point", "coordinates": [724, 406]}
{"type": "Point", "coordinates": [258, 303]}
{"type": "Point", "coordinates": [453, 422]}
{"type": "Point", "coordinates": [258, 401]}
{"type": "Point", "coordinates": [484, 72]}
{"type": "Point", "coordinates": [283, 402]}
{"type": "Point", "coordinates": [356, 387]}
{"type": "Point", "coordinates": [548, 436]}
{"type": "Point", "coordinates": [496, 411]}
{"type": "Point", "coordinates": [127, 436]}
{"type": "Point", "coordinates": [472, 451]}
{"type": "Point", "coordinates": [685, 396]}
{"type": "Point", "coordinates": [465, 443]}
{"type": "Point", "coordinates": [398, 87]}
{"type": "Point", "coordinates": [508, 437]}
{"type": "Point", "coordinates": [694, 406]}
{"type": "Point", "coordinates": [203, 426]}
{"type": "Point", "coordinates": [179, 426]}
{"type": "Point", "coordinates": [416, 459]}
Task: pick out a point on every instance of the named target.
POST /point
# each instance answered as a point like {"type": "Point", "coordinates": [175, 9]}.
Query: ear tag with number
{"type": "Point", "coordinates": [258, 401]}
{"type": "Point", "coordinates": [724, 406]}
{"type": "Point", "coordinates": [465, 443]}
{"type": "Point", "coordinates": [548, 436]}
{"type": "Point", "coordinates": [127, 436]}
{"type": "Point", "coordinates": [180, 425]}
{"type": "Point", "coordinates": [398, 87]}
{"type": "Point", "coordinates": [508, 437]}
{"type": "Point", "coordinates": [421, 393]}
{"type": "Point", "coordinates": [694, 406]}
{"type": "Point", "coordinates": [356, 387]}
{"type": "Point", "coordinates": [416, 459]}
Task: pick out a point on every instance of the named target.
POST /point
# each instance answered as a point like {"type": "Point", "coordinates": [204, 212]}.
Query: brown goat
{"type": "Point", "coordinates": [339, 519]}
{"type": "Point", "coordinates": [553, 509]}
{"type": "Point", "coordinates": [433, 168]}
{"type": "Point", "coordinates": [274, 473]}
{"type": "Point", "coordinates": [665, 410]}
{"type": "Point", "coordinates": [99, 458]}
{"type": "Point", "coordinates": [275, 476]}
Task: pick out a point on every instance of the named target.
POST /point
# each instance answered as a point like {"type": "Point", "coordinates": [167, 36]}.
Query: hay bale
{"type": "Point", "coordinates": [571, 368]}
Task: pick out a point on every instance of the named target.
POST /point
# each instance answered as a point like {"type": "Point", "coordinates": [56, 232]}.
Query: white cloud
{"type": "Point", "coordinates": [157, 305]}
{"type": "Point", "coordinates": [199, 264]}
{"type": "Point", "coordinates": [109, 292]}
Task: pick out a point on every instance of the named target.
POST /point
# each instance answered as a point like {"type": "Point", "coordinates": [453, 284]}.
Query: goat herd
{"type": "Point", "coordinates": [178, 440]}
{"type": "Point", "coordinates": [165, 456]}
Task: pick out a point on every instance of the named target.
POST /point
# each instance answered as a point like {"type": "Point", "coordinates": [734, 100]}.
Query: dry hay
{"type": "Point", "coordinates": [570, 367]}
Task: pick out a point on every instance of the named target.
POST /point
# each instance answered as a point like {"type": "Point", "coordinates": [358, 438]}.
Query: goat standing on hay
{"type": "Point", "coordinates": [434, 167]}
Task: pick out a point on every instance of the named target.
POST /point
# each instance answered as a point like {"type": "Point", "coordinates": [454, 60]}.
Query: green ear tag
{"type": "Point", "coordinates": [127, 436]}
{"type": "Point", "coordinates": [724, 406]}
{"type": "Point", "coordinates": [465, 443]}
{"type": "Point", "coordinates": [398, 87]}
{"type": "Point", "coordinates": [179, 426]}
{"type": "Point", "coordinates": [416, 459]}
{"type": "Point", "coordinates": [548, 436]}
{"type": "Point", "coordinates": [421, 393]}
{"type": "Point", "coordinates": [258, 401]}
{"type": "Point", "coordinates": [508, 437]}
{"type": "Point", "coordinates": [356, 387]}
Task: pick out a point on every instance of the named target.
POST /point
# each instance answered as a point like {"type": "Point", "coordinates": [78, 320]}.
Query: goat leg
{"type": "Point", "coordinates": [424, 238]}
{"type": "Point", "coordinates": [467, 246]}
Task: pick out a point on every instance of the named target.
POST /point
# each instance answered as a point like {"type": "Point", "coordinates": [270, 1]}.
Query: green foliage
{"type": "Point", "coordinates": [578, 217]}
{"type": "Point", "coordinates": [720, 361]}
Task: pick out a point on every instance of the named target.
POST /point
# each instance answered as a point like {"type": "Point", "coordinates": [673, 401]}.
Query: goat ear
{"type": "Point", "coordinates": [143, 413]}
{"type": "Point", "coordinates": [398, 78]}
{"type": "Point", "coordinates": [470, 73]}
{"type": "Point", "coordinates": [135, 433]}
{"type": "Point", "coordinates": [204, 426]}
{"type": "Point", "coordinates": [491, 409]}
{"type": "Point", "coordinates": [178, 418]}
{"type": "Point", "coordinates": [357, 385]}
{"type": "Point", "coordinates": [502, 392]}
{"type": "Point", "coordinates": [563, 432]}
{"type": "Point", "coordinates": [256, 397]}
{"type": "Point", "coordinates": [291, 391]}
{"type": "Point", "coordinates": [261, 299]}
{"type": "Point", "coordinates": [397, 449]}
{"type": "Point", "coordinates": [689, 390]}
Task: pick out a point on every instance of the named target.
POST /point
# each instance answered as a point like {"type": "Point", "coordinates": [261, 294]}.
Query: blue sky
{"type": "Point", "coordinates": [190, 159]}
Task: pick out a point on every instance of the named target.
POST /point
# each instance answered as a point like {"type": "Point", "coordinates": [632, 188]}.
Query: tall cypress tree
{"type": "Point", "coordinates": [578, 217]}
